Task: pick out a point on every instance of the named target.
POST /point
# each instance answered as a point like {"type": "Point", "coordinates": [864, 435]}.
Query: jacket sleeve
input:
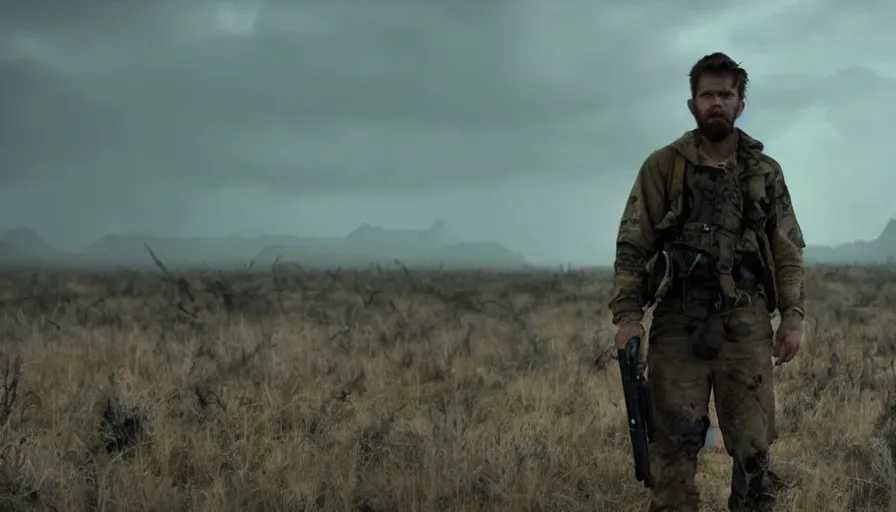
{"type": "Point", "coordinates": [636, 239]}
{"type": "Point", "coordinates": [787, 244]}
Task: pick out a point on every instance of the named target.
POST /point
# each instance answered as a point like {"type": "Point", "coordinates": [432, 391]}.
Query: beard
{"type": "Point", "coordinates": [714, 127]}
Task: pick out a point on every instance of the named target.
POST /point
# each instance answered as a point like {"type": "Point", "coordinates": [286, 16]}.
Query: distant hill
{"type": "Point", "coordinates": [364, 246]}
{"type": "Point", "coordinates": [368, 244]}
{"type": "Point", "coordinates": [881, 250]}
{"type": "Point", "coordinates": [29, 242]}
{"type": "Point", "coordinates": [23, 246]}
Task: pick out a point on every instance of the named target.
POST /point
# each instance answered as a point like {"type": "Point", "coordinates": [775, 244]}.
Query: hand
{"type": "Point", "coordinates": [628, 332]}
{"type": "Point", "coordinates": [788, 338]}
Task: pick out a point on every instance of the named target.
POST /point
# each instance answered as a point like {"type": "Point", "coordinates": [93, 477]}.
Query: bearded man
{"type": "Point", "coordinates": [709, 237]}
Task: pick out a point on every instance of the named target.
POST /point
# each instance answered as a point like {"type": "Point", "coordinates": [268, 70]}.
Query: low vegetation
{"type": "Point", "coordinates": [391, 390]}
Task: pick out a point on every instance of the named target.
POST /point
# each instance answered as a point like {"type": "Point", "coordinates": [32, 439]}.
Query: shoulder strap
{"type": "Point", "coordinates": [675, 179]}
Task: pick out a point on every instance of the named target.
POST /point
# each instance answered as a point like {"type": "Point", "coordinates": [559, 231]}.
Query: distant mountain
{"type": "Point", "coordinates": [369, 244]}
{"type": "Point", "coordinates": [382, 243]}
{"type": "Point", "coordinates": [29, 242]}
{"type": "Point", "coordinates": [23, 246]}
{"type": "Point", "coordinates": [878, 251]}
{"type": "Point", "coordinates": [364, 246]}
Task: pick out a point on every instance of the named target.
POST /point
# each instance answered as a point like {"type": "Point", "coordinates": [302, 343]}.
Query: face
{"type": "Point", "coordinates": [716, 106]}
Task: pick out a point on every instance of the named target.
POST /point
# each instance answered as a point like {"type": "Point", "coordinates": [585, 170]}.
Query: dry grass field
{"type": "Point", "coordinates": [392, 390]}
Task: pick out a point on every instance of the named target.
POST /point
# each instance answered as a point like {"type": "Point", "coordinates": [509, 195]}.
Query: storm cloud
{"type": "Point", "coordinates": [522, 121]}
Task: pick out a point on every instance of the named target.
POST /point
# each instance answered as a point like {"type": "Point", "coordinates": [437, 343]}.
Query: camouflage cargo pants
{"type": "Point", "coordinates": [740, 377]}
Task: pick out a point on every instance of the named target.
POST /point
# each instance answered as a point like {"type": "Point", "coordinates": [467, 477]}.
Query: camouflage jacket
{"type": "Point", "coordinates": [648, 212]}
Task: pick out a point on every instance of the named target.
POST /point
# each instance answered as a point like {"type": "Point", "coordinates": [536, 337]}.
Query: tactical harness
{"type": "Point", "coordinates": [716, 242]}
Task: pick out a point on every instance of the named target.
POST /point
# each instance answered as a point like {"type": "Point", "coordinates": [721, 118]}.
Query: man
{"type": "Point", "coordinates": [708, 235]}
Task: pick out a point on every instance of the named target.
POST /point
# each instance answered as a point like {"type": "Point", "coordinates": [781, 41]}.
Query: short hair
{"type": "Point", "coordinates": [719, 64]}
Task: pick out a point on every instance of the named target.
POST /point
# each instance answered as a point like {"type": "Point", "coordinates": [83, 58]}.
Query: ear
{"type": "Point", "coordinates": [691, 107]}
{"type": "Point", "coordinates": [740, 109]}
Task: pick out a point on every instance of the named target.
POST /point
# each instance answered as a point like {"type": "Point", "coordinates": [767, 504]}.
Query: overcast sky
{"type": "Point", "coordinates": [523, 121]}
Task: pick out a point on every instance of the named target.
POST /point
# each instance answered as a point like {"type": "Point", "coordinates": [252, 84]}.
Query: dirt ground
{"type": "Point", "coordinates": [392, 390]}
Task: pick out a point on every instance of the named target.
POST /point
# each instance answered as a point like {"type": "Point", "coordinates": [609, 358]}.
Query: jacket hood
{"type": "Point", "coordinates": [688, 144]}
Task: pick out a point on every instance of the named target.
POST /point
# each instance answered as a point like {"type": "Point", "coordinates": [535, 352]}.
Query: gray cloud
{"type": "Point", "coordinates": [510, 77]}
{"type": "Point", "coordinates": [147, 115]}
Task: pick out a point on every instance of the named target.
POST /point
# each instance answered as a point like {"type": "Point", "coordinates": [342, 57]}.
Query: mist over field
{"type": "Point", "coordinates": [517, 126]}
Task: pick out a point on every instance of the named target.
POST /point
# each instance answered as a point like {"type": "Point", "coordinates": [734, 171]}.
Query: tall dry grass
{"type": "Point", "coordinates": [391, 390]}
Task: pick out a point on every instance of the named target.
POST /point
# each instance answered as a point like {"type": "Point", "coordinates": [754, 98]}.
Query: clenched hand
{"type": "Point", "coordinates": [628, 332]}
{"type": "Point", "coordinates": [788, 338]}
